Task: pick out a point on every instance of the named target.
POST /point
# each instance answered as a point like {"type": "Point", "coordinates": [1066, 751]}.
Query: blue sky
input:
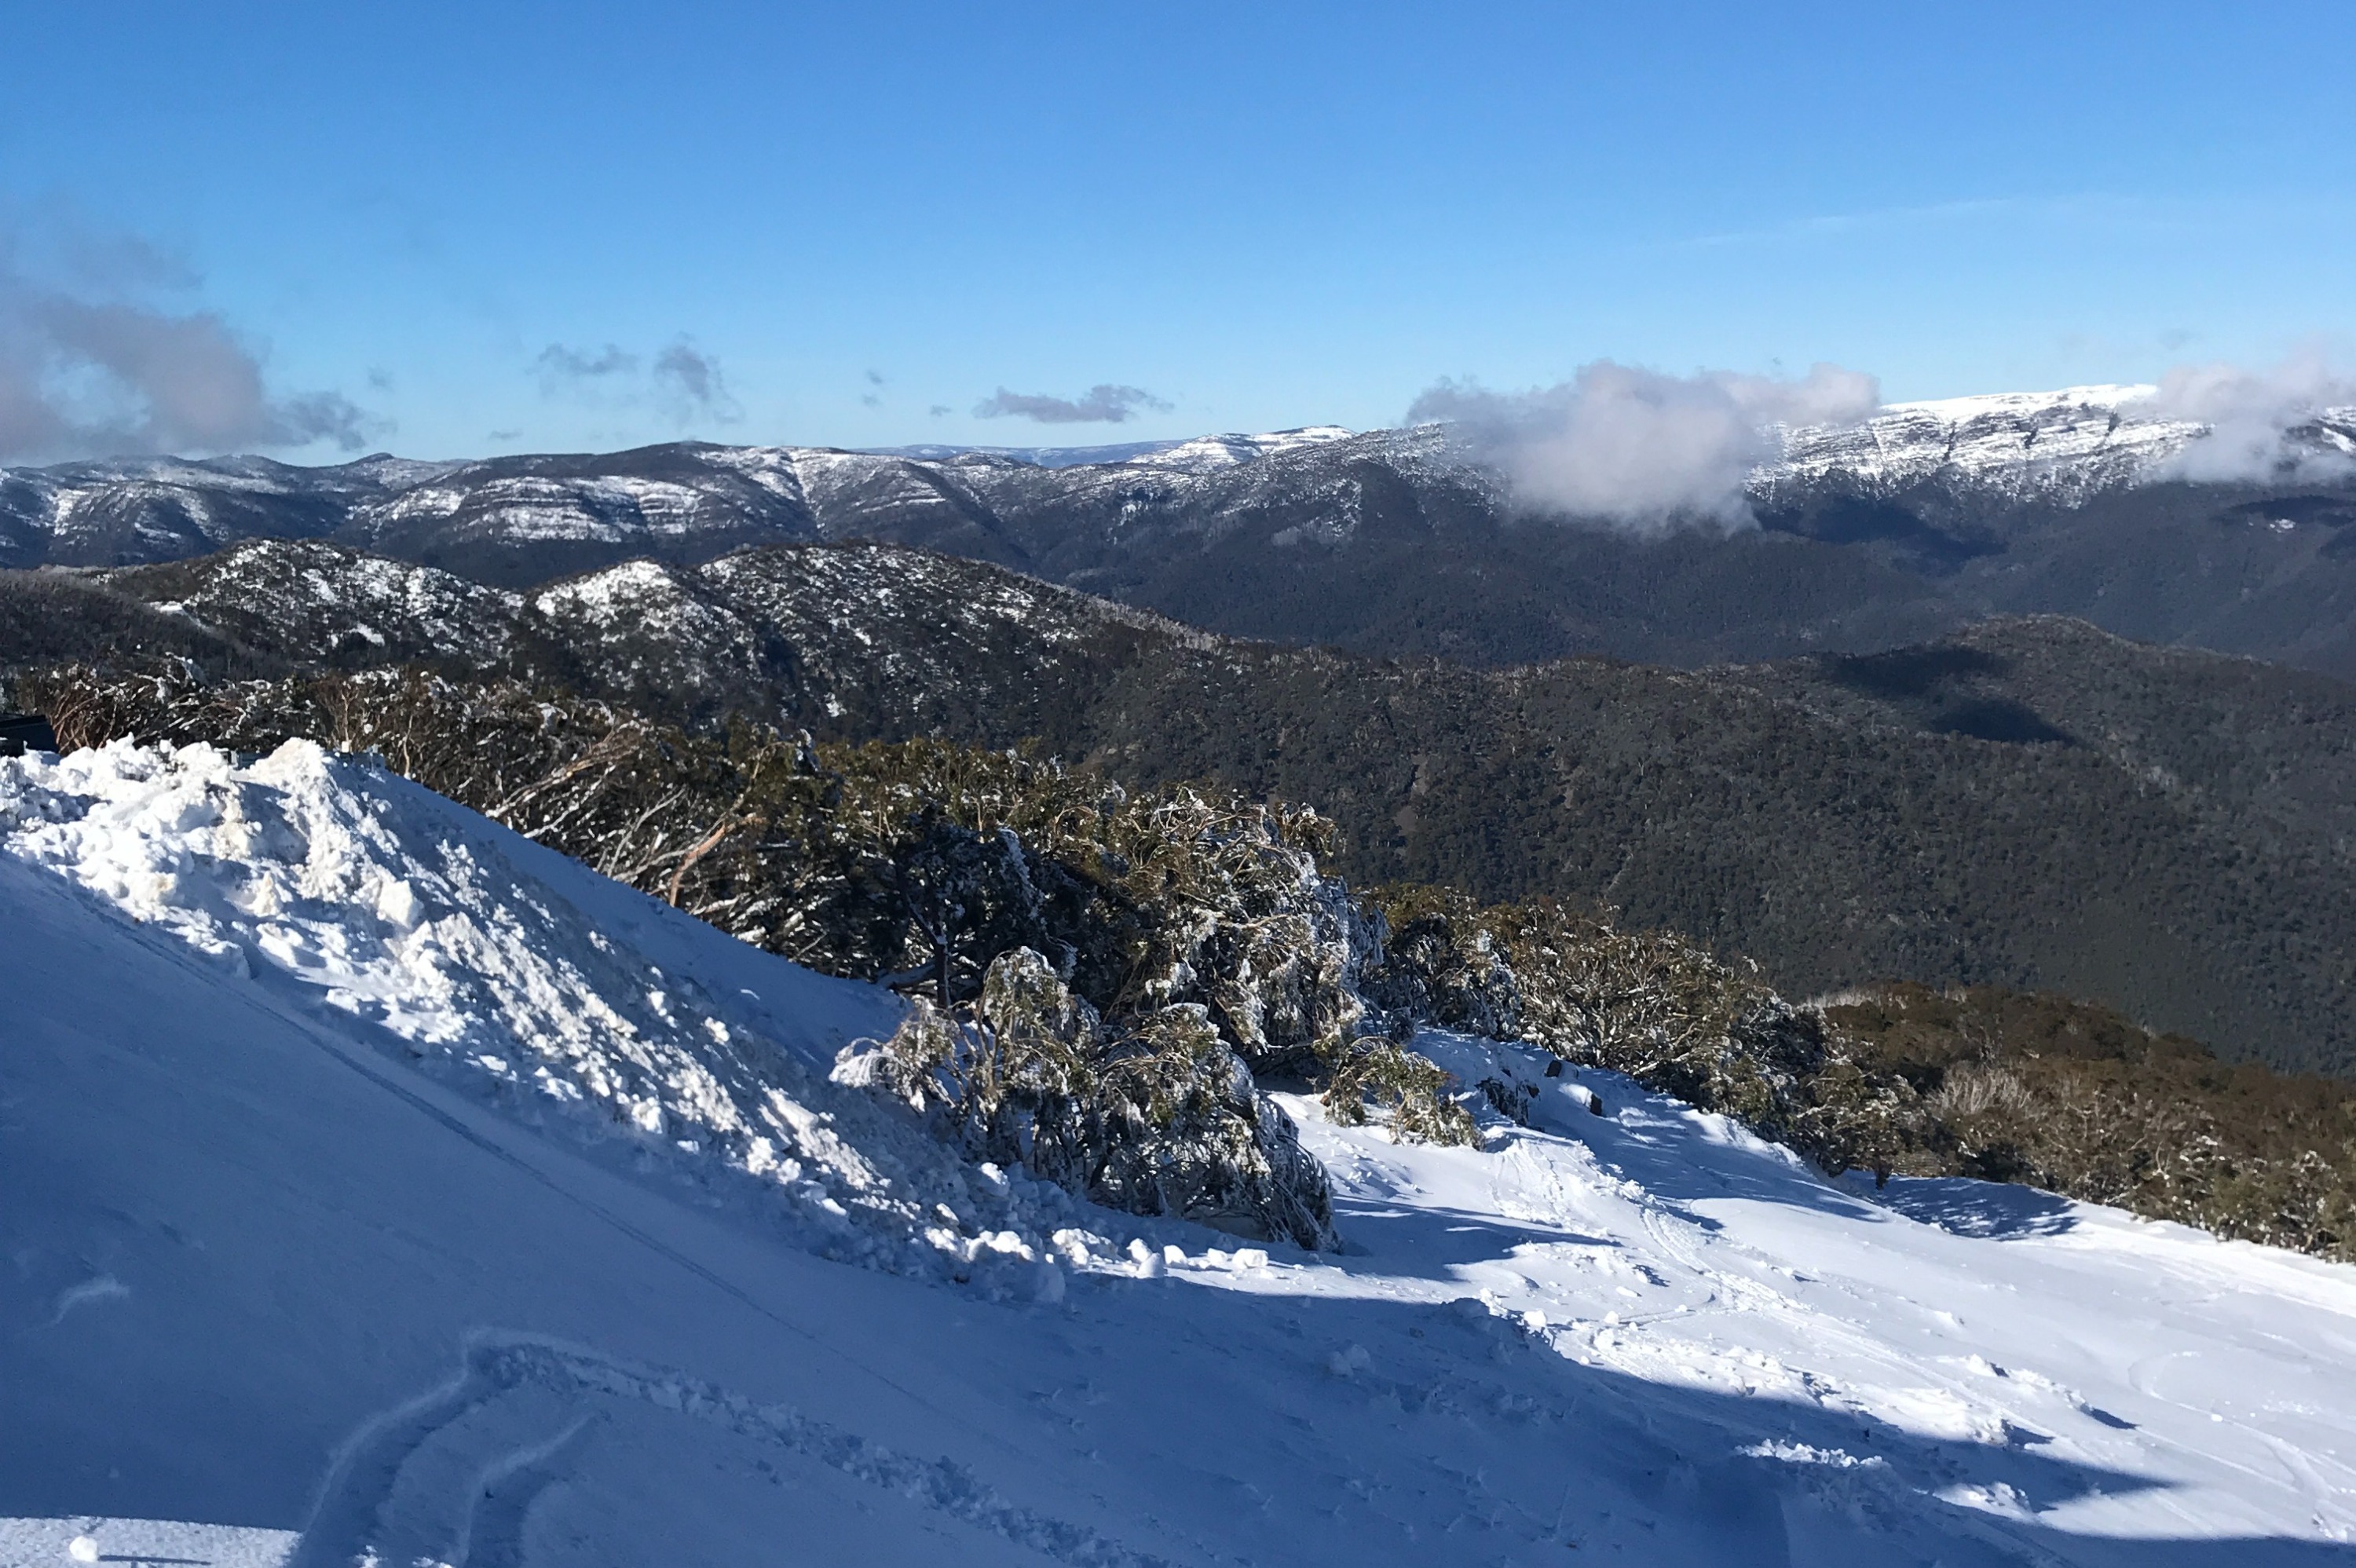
{"type": "Point", "coordinates": [776, 223]}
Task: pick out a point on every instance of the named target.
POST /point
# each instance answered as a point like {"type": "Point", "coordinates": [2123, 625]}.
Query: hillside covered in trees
{"type": "Point", "coordinates": [2031, 803]}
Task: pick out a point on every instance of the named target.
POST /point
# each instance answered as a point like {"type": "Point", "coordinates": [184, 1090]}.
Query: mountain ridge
{"type": "Point", "coordinates": [1927, 518]}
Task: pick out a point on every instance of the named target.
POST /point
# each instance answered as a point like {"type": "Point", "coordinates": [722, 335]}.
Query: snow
{"type": "Point", "coordinates": [305, 1257]}
{"type": "Point", "coordinates": [1207, 454]}
{"type": "Point", "coordinates": [2066, 443]}
{"type": "Point", "coordinates": [1197, 454]}
{"type": "Point", "coordinates": [2106, 396]}
{"type": "Point", "coordinates": [643, 600]}
{"type": "Point", "coordinates": [510, 973]}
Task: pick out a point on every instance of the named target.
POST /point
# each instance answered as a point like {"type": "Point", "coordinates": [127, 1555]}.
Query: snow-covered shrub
{"type": "Point", "coordinates": [2079, 1100]}
{"type": "Point", "coordinates": [1652, 1005]}
{"type": "Point", "coordinates": [922, 864]}
{"type": "Point", "coordinates": [1154, 1112]}
{"type": "Point", "coordinates": [1415, 1092]}
{"type": "Point", "coordinates": [1442, 966]}
{"type": "Point", "coordinates": [1195, 928]}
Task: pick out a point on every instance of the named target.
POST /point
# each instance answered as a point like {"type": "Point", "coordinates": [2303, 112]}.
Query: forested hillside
{"type": "Point", "coordinates": [2033, 803]}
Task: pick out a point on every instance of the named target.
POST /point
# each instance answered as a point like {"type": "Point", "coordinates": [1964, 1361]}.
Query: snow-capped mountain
{"type": "Point", "coordinates": [163, 508]}
{"type": "Point", "coordinates": [386, 1188]}
{"type": "Point", "coordinates": [518, 519]}
{"type": "Point", "coordinates": [691, 500]}
{"type": "Point", "coordinates": [1198, 453]}
{"type": "Point", "coordinates": [2068, 444]}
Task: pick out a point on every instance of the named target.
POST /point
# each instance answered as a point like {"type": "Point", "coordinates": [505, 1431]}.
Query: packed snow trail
{"type": "Point", "coordinates": [292, 1273]}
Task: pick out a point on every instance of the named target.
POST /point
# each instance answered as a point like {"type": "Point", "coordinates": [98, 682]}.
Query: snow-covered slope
{"type": "Point", "coordinates": [379, 1182]}
{"type": "Point", "coordinates": [1200, 451]}
{"type": "Point", "coordinates": [1206, 453]}
{"type": "Point", "coordinates": [2066, 444]}
{"type": "Point", "coordinates": [909, 638]}
{"type": "Point", "coordinates": [315, 601]}
{"type": "Point", "coordinates": [2061, 446]}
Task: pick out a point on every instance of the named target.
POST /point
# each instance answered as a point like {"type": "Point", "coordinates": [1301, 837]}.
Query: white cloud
{"type": "Point", "coordinates": [91, 365]}
{"type": "Point", "coordinates": [1639, 449]}
{"type": "Point", "coordinates": [2253, 418]}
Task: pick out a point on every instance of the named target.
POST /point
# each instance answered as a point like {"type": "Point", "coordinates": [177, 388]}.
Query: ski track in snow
{"type": "Point", "coordinates": [601, 1141]}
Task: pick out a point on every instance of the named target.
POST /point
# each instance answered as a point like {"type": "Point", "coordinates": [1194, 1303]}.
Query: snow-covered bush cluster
{"type": "Point", "coordinates": [1104, 973]}
{"type": "Point", "coordinates": [1156, 1114]}
{"type": "Point", "coordinates": [2078, 1099]}
{"type": "Point", "coordinates": [1196, 929]}
{"type": "Point", "coordinates": [1899, 1079]}
{"type": "Point", "coordinates": [1652, 1005]}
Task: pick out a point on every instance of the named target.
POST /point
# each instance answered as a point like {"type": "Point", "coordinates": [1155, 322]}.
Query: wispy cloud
{"type": "Point", "coordinates": [1101, 404]}
{"type": "Point", "coordinates": [2088, 210]}
{"type": "Point", "coordinates": [1833, 225]}
{"type": "Point", "coordinates": [682, 382]}
{"type": "Point", "coordinates": [687, 381]}
{"type": "Point", "coordinates": [1638, 449]}
{"type": "Point", "coordinates": [561, 370]}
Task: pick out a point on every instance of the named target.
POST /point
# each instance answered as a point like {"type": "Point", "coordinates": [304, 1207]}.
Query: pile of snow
{"type": "Point", "coordinates": [381, 1187]}
{"type": "Point", "coordinates": [576, 1004]}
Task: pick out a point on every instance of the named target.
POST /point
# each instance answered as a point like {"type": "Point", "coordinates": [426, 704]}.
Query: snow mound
{"type": "Point", "coordinates": [568, 1000]}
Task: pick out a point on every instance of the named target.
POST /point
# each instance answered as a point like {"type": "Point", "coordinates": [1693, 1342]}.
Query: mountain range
{"type": "Point", "coordinates": [501, 1213]}
{"type": "Point", "coordinates": [1916, 523]}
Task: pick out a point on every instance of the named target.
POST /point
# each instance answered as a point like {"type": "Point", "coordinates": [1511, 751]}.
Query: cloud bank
{"type": "Point", "coordinates": [1097, 405]}
{"type": "Point", "coordinates": [2255, 419]}
{"type": "Point", "coordinates": [89, 366]}
{"type": "Point", "coordinates": [1639, 449]}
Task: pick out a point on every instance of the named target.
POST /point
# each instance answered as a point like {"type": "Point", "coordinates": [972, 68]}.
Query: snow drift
{"type": "Point", "coordinates": [378, 1183]}
{"type": "Point", "coordinates": [574, 1004]}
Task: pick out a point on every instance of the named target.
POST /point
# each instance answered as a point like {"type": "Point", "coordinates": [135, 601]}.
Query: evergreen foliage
{"type": "Point", "coordinates": [2031, 803]}
{"type": "Point", "coordinates": [2000, 1085]}
{"type": "Point", "coordinates": [1651, 1005]}
{"type": "Point", "coordinates": [2079, 1100]}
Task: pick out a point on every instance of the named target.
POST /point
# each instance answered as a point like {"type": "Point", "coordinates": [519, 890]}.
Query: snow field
{"type": "Point", "coordinates": [377, 1182]}
{"type": "Point", "coordinates": [1673, 1247]}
